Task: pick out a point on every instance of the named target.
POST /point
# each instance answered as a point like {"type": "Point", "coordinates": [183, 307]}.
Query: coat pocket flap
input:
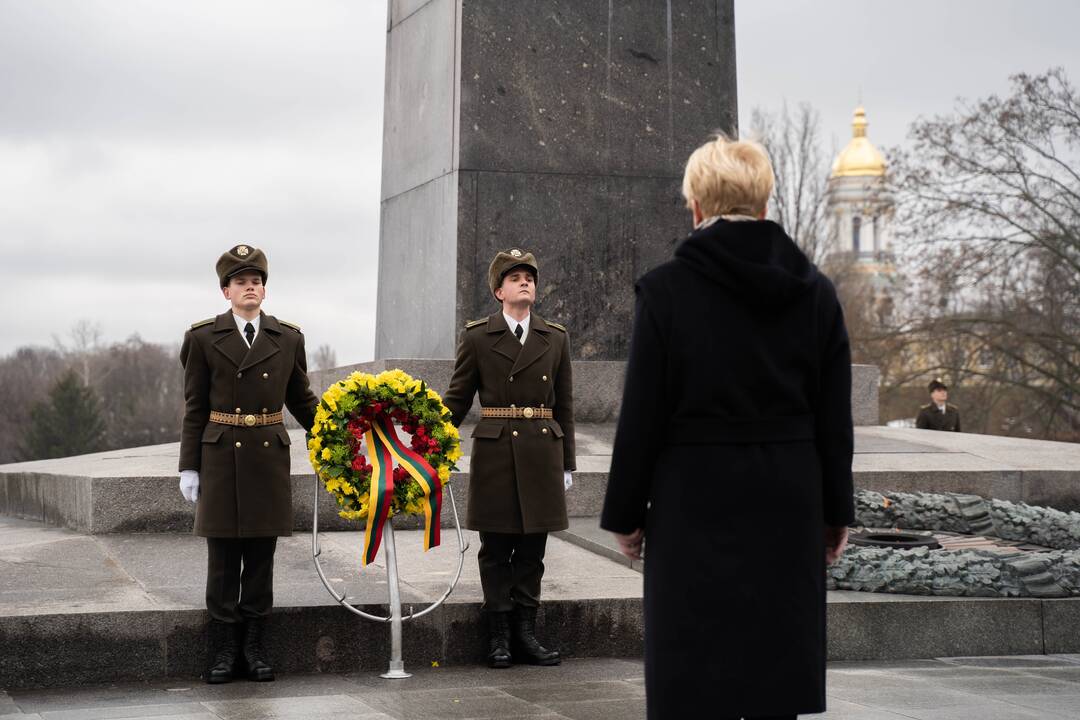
{"type": "Point", "coordinates": [212, 433]}
{"type": "Point", "coordinates": [488, 431]}
{"type": "Point", "coordinates": [556, 428]}
{"type": "Point", "coordinates": [283, 436]}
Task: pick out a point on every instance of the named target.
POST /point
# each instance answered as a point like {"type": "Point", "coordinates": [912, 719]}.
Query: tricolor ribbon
{"type": "Point", "coordinates": [384, 447]}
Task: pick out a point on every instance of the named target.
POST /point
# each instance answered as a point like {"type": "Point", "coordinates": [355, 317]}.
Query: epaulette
{"type": "Point", "coordinates": [474, 323]}
{"type": "Point", "coordinates": [290, 325]}
{"type": "Point", "coordinates": [557, 325]}
{"type": "Point", "coordinates": [201, 323]}
{"type": "Point", "coordinates": [927, 406]}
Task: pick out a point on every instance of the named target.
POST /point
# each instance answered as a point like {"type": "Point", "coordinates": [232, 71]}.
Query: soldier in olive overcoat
{"type": "Point", "coordinates": [240, 368]}
{"type": "Point", "coordinates": [938, 414]}
{"type": "Point", "coordinates": [523, 451]}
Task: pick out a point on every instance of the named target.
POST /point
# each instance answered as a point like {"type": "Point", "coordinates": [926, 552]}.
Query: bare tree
{"type": "Point", "coordinates": [801, 170]}
{"type": "Point", "coordinates": [324, 358]}
{"type": "Point", "coordinates": [989, 206]}
{"type": "Point", "coordinates": [139, 385]}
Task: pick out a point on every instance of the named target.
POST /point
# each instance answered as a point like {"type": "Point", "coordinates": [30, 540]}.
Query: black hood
{"type": "Point", "coordinates": [754, 258]}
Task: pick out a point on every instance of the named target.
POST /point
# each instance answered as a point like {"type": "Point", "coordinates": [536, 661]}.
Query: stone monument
{"type": "Point", "coordinates": [561, 126]}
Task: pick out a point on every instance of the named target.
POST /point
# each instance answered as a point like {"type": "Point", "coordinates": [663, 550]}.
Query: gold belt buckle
{"type": "Point", "coordinates": [528, 413]}
{"type": "Point", "coordinates": [249, 420]}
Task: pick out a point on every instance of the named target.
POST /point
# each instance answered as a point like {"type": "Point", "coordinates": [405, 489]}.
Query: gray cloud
{"type": "Point", "coordinates": [138, 140]}
{"type": "Point", "coordinates": [141, 138]}
{"type": "Point", "coordinates": [908, 59]}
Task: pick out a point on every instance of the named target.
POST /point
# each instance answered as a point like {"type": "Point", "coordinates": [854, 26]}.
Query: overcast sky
{"type": "Point", "coordinates": [141, 138]}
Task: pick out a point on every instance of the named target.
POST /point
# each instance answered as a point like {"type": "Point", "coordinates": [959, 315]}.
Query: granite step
{"type": "Point", "coordinates": [78, 608]}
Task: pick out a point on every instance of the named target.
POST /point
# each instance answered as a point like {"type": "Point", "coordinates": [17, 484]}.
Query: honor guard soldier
{"type": "Point", "coordinates": [522, 454]}
{"type": "Point", "coordinates": [938, 414]}
{"type": "Point", "coordinates": [240, 368]}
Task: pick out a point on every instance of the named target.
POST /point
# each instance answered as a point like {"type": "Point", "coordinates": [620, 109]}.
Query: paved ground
{"type": "Point", "coordinates": [994, 688]}
{"type": "Point", "coordinates": [45, 570]}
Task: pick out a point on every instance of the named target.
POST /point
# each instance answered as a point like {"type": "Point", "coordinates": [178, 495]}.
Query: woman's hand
{"type": "Point", "coordinates": [835, 542]}
{"type": "Point", "coordinates": [630, 545]}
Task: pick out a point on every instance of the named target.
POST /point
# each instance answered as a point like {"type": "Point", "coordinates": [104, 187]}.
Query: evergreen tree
{"type": "Point", "coordinates": [68, 423]}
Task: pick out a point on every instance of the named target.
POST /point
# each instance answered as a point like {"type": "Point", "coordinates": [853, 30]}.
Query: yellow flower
{"type": "Point", "coordinates": [444, 473]}
{"type": "Point", "coordinates": [326, 454]}
{"type": "Point", "coordinates": [454, 455]}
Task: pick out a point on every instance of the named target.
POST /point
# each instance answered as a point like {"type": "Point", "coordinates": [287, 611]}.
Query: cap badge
{"type": "Point", "coordinates": [515, 253]}
{"type": "Point", "coordinates": [242, 250]}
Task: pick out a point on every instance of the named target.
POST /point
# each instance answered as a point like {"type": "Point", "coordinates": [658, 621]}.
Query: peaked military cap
{"type": "Point", "coordinates": [238, 259]}
{"type": "Point", "coordinates": [507, 260]}
{"type": "Point", "coordinates": [936, 384]}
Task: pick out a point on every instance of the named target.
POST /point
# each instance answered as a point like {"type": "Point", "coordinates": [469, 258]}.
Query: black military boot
{"type": "Point", "coordinates": [258, 668]}
{"type": "Point", "coordinates": [526, 647]}
{"type": "Point", "coordinates": [226, 650]}
{"type": "Point", "coordinates": [499, 640]}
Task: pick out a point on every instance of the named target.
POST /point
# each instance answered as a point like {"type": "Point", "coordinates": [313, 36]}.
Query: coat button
{"type": "Point", "coordinates": [237, 443]}
{"type": "Point", "coordinates": [513, 405]}
{"type": "Point", "coordinates": [237, 411]}
{"type": "Point", "coordinates": [266, 443]}
{"type": "Point", "coordinates": [266, 375]}
{"type": "Point", "coordinates": [239, 374]}
{"type": "Point", "coordinates": [544, 378]}
{"type": "Point", "coordinates": [511, 378]}
{"type": "Point", "coordinates": [543, 430]}
{"type": "Point", "coordinates": [264, 411]}
{"type": "Point", "coordinates": [515, 433]}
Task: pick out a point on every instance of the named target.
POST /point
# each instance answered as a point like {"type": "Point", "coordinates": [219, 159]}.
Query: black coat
{"type": "Point", "coordinates": [733, 451]}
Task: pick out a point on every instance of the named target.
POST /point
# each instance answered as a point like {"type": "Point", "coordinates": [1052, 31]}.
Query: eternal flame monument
{"type": "Point", "coordinates": [562, 130]}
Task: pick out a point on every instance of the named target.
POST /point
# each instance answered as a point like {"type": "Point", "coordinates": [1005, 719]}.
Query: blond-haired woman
{"type": "Point", "coordinates": [732, 460]}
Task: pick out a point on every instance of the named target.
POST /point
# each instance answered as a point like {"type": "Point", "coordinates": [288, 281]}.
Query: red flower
{"type": "Point", "coordinates": [358, 463]}
{"type": "Point", "coordinates": [421, 431]}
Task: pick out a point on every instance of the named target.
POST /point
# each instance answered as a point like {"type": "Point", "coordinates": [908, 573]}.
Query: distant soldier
{"type": "Point", "coordinates": [240, 368]}
{"type": "Point", "coordinates": [522, 455]}
{"type": "Point", "coordinates": [939, 414]}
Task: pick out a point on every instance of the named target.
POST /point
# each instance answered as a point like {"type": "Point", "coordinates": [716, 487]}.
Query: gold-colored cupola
{"type": "Point", "coordinates": [860, 157]}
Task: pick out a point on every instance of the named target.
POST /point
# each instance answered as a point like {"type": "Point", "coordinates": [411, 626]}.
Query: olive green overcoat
{"type": "Point", "coordinates": [245, 489]}
{"type": "Point", "coordinates": [516, 467]}
{"type": "Point", "coordinates": [931, 418]}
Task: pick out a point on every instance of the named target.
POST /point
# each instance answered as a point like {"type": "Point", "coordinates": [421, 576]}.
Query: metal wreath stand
{"type": "Point", "coordinates": [396, 670]}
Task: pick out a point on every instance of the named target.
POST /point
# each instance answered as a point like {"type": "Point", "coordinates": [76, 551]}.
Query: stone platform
{"type": "Point", "coordinates": [135, 490]}
{"type": "Point", "coordinates": [78, 608]}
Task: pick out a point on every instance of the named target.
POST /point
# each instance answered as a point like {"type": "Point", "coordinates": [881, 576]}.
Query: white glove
{"type": "Point", "coordinates": [567, 481]}
{"type": "Point", "coordinates": [189, 484]}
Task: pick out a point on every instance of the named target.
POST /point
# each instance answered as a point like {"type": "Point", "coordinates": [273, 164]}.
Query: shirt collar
{"type": "Point", "coordinates": [512, 323]}
{"type": "Point", "coordinates": [241, 323]}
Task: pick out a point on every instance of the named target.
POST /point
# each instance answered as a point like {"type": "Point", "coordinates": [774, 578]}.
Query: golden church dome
{"type": "Point", "coordinates": [860, 157]}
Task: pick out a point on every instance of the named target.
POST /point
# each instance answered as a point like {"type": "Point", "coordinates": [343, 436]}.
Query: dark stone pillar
{"type": "Point", "coordinates": [559, 126]}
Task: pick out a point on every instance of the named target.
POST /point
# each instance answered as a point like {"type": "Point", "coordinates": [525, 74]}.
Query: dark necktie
{"type": "Point", "coordinates": [249, 333]}
{"type": "Point", "coordinates": [519, 331]}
